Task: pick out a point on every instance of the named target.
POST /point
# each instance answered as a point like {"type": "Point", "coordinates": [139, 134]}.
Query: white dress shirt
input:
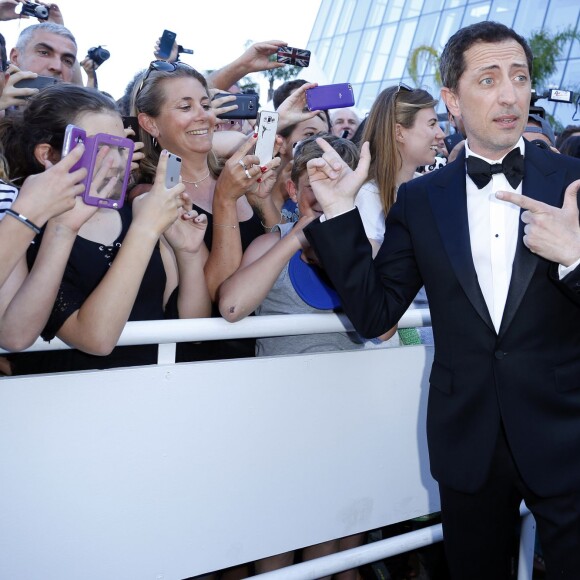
{"type": "Point", "coordinates": [493, 234]}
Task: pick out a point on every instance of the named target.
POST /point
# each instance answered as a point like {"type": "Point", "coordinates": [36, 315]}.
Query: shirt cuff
{"type": "Point", "coordinates": [323, 218]}
{"type": "Point", "coordinates": [563, 271]}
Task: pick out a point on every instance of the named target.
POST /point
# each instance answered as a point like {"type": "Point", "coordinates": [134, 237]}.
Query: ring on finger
{"type": "Point", "coordinates": [248, 174]}
{"type": "Point", "coordinates": [241, 162]}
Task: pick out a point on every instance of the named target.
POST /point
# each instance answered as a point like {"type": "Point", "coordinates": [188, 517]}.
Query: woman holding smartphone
{"type": "Point", "coordinates": [173, 105]}
{"type": "Point", "coordinates": [124, 265]}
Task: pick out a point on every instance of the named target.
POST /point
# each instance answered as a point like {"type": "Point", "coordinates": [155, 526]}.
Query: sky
{"type": "Point", "coordinates": [216, 31]}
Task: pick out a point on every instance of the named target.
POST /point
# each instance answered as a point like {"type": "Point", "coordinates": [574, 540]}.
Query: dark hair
{"type": "Point", "coordinates": [571, 146]}
{"type": "Point", "coordinates": [452, 62]}
{"type": "Point", "coordinates": [3, 55]}
{"type": "Point", "coordinates": [44, 120]}
{"type": "Point", "coordinates": [568, 131]}
{"type": "Point", "coordinates": [149, 99]}
{"type": "Point", "coordinates": [285, 90]}
{"type": "Point", "coordinates": [309, 149]}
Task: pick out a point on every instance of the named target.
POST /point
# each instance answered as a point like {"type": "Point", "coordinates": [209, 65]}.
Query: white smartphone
{"type": "Point", "coordinates": [267, 128]}
{"type": "Point", "coordinates": [173, 170]}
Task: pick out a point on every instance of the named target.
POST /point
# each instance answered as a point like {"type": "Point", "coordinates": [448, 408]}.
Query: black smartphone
{"type": "Point", "coordinates": [132, 123]}
{"type": "Point", "coordinates": [247, 106]}
{"type": "Point", "coordinates": [166, 44]}
{"type": "Point", "coordinates": [452, 140]}
{"type": "Point", "coordinates": [39, 83]}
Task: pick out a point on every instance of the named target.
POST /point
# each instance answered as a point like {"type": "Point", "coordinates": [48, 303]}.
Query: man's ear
{"type": "Point", "coordinates": [44, 152]}
{"type": "Point", "coordinates": [450, 98]}
{"type": "Point", "coordinates": [292, 191]}
{"type": "Point", "coordinates": [14, 56]}
{"type": "Point", "coordinates": [148, 123]}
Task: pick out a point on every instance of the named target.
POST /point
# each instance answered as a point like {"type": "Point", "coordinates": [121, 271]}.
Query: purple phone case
{"type": "Point", "coordinates": [330, 97]}
{"type": "Point", "coordinates": [74, 135]}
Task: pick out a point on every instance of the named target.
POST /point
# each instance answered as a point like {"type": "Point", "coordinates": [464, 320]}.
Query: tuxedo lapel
{"type": "Point", "coordinates": [544, 183]}
{"type": "Point", "coordinates": [448, 201]}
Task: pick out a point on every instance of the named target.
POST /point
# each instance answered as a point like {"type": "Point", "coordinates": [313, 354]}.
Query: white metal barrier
{"type": "Point", "coordinates": [174, 470]}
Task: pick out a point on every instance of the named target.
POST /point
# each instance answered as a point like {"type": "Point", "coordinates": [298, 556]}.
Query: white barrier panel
{"type": "Point", "coordinates": [170, 471]}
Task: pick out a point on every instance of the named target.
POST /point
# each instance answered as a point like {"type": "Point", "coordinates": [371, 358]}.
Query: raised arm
{"type": "Point", "coordinates": [261, 265]}
{"type": "Point", "coordinates": [255, 58]}
{"type": "Point", "coordinates": [96, 326]}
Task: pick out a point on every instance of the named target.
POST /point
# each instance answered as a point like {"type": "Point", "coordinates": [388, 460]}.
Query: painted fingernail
{"type": "Point", "coordinates": [264, 169]}
{"type": "Point", "coordinates": [259, 180]}
{"type": "Point", "coordinates": [255, 135]}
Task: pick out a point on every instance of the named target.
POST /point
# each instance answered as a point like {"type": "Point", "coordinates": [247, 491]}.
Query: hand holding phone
{"type": "Point", "coordinates": [293, 56]}
{"type": "Point", "coordinates": [166, 44]}
{"type": "Point", "coordinates": [266, 136]}
{"type": "Point", "coordinates": [40, 82]}
{"type": "Point", "coordinates": [107, 159]}
{"type": "Point", "coordinates": [247, 106]}
{"type": "Point", "coordinates": [173, 171]}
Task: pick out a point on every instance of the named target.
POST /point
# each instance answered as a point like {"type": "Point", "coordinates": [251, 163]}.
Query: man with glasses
{"type": "Point", "coordinates": [503, 418]}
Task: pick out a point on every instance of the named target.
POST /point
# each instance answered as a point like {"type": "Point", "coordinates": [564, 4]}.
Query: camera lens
{"type": "Point", "coordinates": [41, 12]}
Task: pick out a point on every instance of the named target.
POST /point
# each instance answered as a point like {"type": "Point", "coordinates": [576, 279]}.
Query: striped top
{"type": "Point", "coordinates": [8, 194]}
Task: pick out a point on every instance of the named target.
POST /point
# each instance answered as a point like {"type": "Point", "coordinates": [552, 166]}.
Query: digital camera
{"type": "Point", "coordinates": [33, 9]}
{"type": "Point", "coordinates": [98, 54]}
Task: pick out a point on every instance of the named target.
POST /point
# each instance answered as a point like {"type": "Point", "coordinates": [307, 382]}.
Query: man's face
{"type": "Point", "coordinates": [47, 54]}
{"type": "Point", "coordinates": [344, 120]}
{"type": "Point", "coordinates": [492, 97]}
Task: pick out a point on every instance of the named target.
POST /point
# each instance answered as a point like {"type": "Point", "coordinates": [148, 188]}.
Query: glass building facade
{"type": "Point", "coordinates": [369, 42]}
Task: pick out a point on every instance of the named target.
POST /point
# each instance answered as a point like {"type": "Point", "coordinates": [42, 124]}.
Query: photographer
{"type": "Point", "coordinates": [8, 11]}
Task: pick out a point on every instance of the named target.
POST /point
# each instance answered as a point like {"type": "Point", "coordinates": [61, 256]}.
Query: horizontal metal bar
{"type": "Point", "coordinates": [200, 329]}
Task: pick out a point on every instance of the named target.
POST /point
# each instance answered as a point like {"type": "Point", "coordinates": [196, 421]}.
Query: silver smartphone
{"type": "Point", "coordinates": [173, 170]}
{"type": "Point", "coordinates": [266, 140]}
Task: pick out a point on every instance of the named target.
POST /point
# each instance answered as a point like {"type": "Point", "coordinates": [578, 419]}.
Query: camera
{"type": "Point", "coordinates": [98, 54]}
{"type": "Point", "coordinates": [554, 95]}
{"type": "Point", "coordinates": [33, 9]}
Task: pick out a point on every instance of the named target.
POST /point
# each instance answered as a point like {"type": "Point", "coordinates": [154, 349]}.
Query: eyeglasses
{"type": "Point", "coordinates": [404, 87]}
{"type": "Point", "coordinates": [158, 65]}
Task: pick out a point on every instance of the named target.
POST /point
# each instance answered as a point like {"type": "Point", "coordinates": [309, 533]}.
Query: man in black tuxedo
{"type": "Point", "coordinates": [503, 418]}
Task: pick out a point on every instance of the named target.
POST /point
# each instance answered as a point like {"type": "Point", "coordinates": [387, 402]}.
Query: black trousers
{"type": "Point", "coordinates": [480, 529]}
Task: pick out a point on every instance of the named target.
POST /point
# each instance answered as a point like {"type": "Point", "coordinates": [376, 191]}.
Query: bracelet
{"type": "Point", "coordinates": [267, 228]}
{"type": "Point", "coordinates": [23, 219]}
{"type": "Point", "coordinates": [224, 226]}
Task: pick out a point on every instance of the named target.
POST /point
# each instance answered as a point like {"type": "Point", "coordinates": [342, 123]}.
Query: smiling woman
{"type": "Point", "coordinates": [175, 112]}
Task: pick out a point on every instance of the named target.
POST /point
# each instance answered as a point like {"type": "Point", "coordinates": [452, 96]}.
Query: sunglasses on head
{"type": "Point", "coordinates": [161, 66]}
{"type": "Point", "coordinates": [404, 87]}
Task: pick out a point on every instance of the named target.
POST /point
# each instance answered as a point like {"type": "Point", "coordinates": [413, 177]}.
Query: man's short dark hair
{"type": "Point", "coordinates": [285, 90]}
{"type": "Point", "coordinates": [452, 63]}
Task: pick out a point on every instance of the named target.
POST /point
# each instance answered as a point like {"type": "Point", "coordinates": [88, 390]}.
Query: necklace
{"type": "Point", "coordinates": [198, 181]}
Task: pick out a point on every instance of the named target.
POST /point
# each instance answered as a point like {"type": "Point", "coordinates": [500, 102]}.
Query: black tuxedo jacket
{"type": "Point", "coordinates": [526, 376]}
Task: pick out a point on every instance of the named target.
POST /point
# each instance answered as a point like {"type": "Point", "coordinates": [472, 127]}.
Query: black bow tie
{"type": "Point", "coordinates": [512, 167]}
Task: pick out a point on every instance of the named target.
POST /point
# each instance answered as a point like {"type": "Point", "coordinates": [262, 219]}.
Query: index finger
{"type": "Point", "coordinates": [522, 201]}
{"type": "Point", "coordinates": [330, 154]}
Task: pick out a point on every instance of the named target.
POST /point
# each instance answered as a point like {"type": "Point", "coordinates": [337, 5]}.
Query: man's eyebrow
{"type": "Point", "coordinates": [44, 45]}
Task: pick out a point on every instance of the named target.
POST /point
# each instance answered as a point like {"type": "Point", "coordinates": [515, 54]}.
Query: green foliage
{"type": "Point", "coordinates": [432, 56]}
{"type": "Point", "coordinates": [547, 49]}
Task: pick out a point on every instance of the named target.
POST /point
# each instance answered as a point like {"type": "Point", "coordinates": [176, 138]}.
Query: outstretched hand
{"type": "Point", "coordinates": [333, 182]}
{"type": "Point", "coordinates": [293, 110]}
{"type": "Point", "coordinates": [551, 232]}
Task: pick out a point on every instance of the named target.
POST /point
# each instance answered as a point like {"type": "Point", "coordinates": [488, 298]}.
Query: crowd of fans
{"type": "Point", "coordinates": [225, 241]}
